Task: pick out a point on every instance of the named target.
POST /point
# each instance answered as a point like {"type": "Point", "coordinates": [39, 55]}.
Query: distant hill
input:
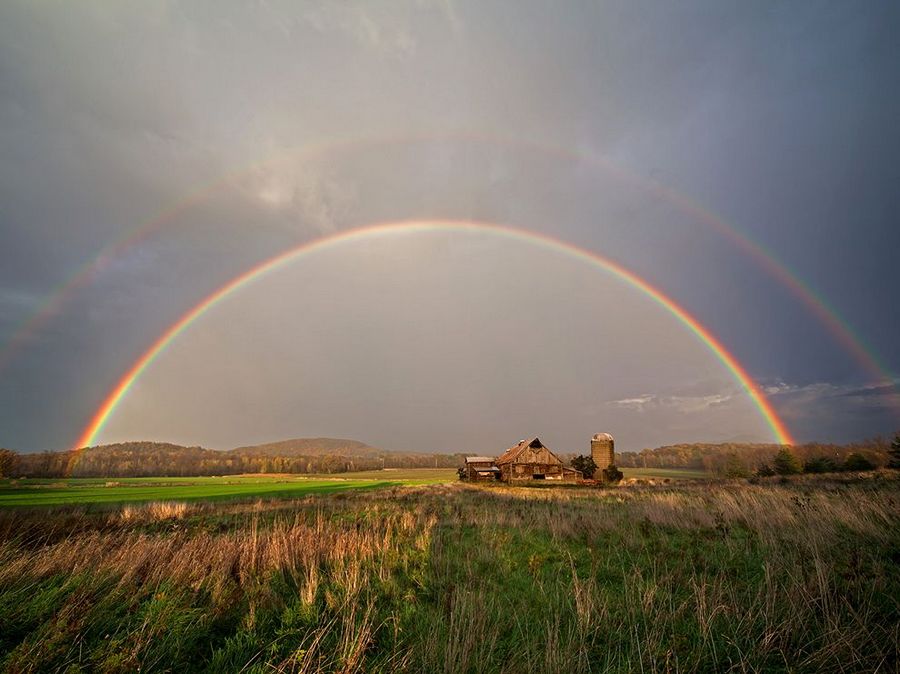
{"type": "Point", "coordinates": [311, 447]}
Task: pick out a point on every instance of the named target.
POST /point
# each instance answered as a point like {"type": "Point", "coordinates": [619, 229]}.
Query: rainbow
{"type": "Point", "coordinates": [90, 433]}
{"type": "Point", "coordinates": [837, 327]}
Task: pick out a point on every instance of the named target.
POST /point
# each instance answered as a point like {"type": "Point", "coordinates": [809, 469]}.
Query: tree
{"type": "Point", "coordinates": [585, 465]}
{"type": "Point", "coordinates": [734, 467]}
{"type": "Point", "coordinates": [786, 463]}
{"type": "Point", "coordinates": [857, 462]}
{"type": "Point", "coordinates": [894, 452]}
{"type": "Point", "coordinates": [9, 460]}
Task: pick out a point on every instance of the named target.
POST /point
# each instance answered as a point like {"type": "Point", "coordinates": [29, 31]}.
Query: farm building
{"type": "Point", "coordinates": [480, 468]}
{"type": "Point", "coordinates": [603, 452]}
{"type": "Point", "coordinates": [531, 460]}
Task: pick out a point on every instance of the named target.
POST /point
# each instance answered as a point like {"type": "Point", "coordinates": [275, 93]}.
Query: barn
{"type": "Point", "coordinates": [532, 460]}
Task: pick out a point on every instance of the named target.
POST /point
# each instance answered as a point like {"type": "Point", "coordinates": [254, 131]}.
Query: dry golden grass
{"type": "Point", "coordinates": [459, 578]}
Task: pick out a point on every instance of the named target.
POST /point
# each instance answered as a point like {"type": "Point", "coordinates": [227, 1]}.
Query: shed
{"type": "Point", "coordinates": [481, 468]}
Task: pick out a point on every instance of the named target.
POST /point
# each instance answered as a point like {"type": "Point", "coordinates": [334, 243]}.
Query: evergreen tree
{"type": "Point", "coordinates": [894, 452]}
{"type": "Point", "coordinates": [786, 463]}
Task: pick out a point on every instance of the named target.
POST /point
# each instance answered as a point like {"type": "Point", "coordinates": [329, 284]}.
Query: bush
{"type": "Point", "coordinates": [821, 464]}
{"type": "Point", "coordinates": [857, 462]}
{"type": "Point", "coordinates": [765, 470]}
{"type": "Point", "coordinates": [786, 463]}
{"type": "Point", "coordinates": [612, 474]}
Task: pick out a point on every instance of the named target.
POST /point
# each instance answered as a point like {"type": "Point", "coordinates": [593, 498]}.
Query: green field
{"type": "Point", "coordinates": [74, 491]}
{"type": "Point", "coordinates": [35, 492]}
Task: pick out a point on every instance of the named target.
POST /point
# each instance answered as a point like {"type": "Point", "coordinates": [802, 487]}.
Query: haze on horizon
{"type": "Point", "coordinates": [283, 123]}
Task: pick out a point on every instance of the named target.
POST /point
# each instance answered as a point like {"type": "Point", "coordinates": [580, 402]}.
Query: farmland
{"type": "Point", "coordinates": [666, 473]}
{"type": "Point", "coordinates": [799, 575]}
{"type": "Point", "coordinates": [83, 491]}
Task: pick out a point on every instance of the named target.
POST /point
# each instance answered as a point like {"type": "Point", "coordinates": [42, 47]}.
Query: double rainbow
{"type": "Point", "coordinates": [840, 330]}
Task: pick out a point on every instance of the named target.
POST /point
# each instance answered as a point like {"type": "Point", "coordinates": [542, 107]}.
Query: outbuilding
{"type": "Point", "coordinates": [481, 468]}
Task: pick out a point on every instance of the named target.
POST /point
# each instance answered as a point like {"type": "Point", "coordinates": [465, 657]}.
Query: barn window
{"type": "Point", "coordinates": [538, 476]}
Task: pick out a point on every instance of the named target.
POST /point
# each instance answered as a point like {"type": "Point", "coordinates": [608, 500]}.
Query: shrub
{"type": "Point", "coordinates": [821, 464]}
{"type": "Point", "coordinates": [786, 463]}
{"type": "Point", "coordinates": [857, 462]}
{"type": "Point", "coordinates": [612, 474]}
{"type": "Point", "coordinates": [765, 470]}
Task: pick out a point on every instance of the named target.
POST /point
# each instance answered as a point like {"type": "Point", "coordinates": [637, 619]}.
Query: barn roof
{"type": "Point", "coordinates": [479, 459]}
{"type": "Point", "coordinates": [513, 452]}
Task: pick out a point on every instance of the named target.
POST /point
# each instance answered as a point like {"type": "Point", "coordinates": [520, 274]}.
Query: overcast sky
{"type": "Point", "coordinates": [281, 122]}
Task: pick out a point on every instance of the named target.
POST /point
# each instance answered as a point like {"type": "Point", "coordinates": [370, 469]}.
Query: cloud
{"type": "Point", "coordinates": [680, 403]}
{"type": "Point", "coordinates": [881, 395]}
{"type": "Point", "coordinates": [837, 412]}
{"type": "Point", "coordinates": [310, 195]}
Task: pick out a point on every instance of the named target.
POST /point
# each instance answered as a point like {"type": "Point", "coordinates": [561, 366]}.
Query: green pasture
{"type": "Point", "coordinates": [35, 492]}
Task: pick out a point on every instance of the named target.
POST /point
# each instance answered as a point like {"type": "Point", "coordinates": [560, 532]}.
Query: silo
{"type": "Point", "coordinates": [603, 450]}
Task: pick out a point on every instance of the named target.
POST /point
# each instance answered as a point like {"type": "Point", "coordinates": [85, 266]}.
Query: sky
{"type": "Point", "coordinates": [739, 157]}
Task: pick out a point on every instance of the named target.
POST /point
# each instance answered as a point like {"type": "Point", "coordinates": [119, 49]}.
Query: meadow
{"type": "Point", "coordinates": [798, 575]}
{"type": "Point", "coordinates": [31, 492]}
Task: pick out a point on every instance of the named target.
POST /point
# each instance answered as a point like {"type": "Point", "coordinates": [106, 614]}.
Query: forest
{"type": "Point", "coordinates": [720, 458]}
{"type": "Point", "coordinates": [158, 459]}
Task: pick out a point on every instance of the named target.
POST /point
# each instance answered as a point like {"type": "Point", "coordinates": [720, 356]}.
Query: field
{"type": "Point", "coordinates": [666, 473]}
{"type": "Point", "coordinates": [33, 492]}
{"type": "Point", "coordinates": [688, 576]}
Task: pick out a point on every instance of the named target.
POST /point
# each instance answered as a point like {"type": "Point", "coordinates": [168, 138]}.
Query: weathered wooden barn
{"type": "Point", "coordinates": [532, 460]}
{"type": "Point", "coordinates": [480, 469]}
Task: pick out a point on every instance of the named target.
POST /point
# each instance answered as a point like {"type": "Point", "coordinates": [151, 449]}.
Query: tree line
{"type": "Point", "coordinates": [726, 458]}
{"type": "Point", "coordinates": [154, 459]}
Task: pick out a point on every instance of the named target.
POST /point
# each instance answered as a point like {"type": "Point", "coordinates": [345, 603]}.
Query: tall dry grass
{"type": "Point", "coordinates": [707, 577]}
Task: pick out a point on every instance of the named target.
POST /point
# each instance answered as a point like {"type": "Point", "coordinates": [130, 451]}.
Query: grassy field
{"type": "Point", "coordinates": [689, 576]}
{"type": "Point", "coordinates": [30, 492]}
{"type": "Point", "coordinates": [667, 473]}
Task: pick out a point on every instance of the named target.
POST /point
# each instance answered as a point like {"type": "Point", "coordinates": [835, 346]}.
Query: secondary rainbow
{"type": "Point", "coordinates": [840, 330]}
{"type": "Point", "coordinates": [89, 435]}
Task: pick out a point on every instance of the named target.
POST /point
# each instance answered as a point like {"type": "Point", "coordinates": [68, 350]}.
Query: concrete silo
{"type": "Point", "coordinates": [603, 451]}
